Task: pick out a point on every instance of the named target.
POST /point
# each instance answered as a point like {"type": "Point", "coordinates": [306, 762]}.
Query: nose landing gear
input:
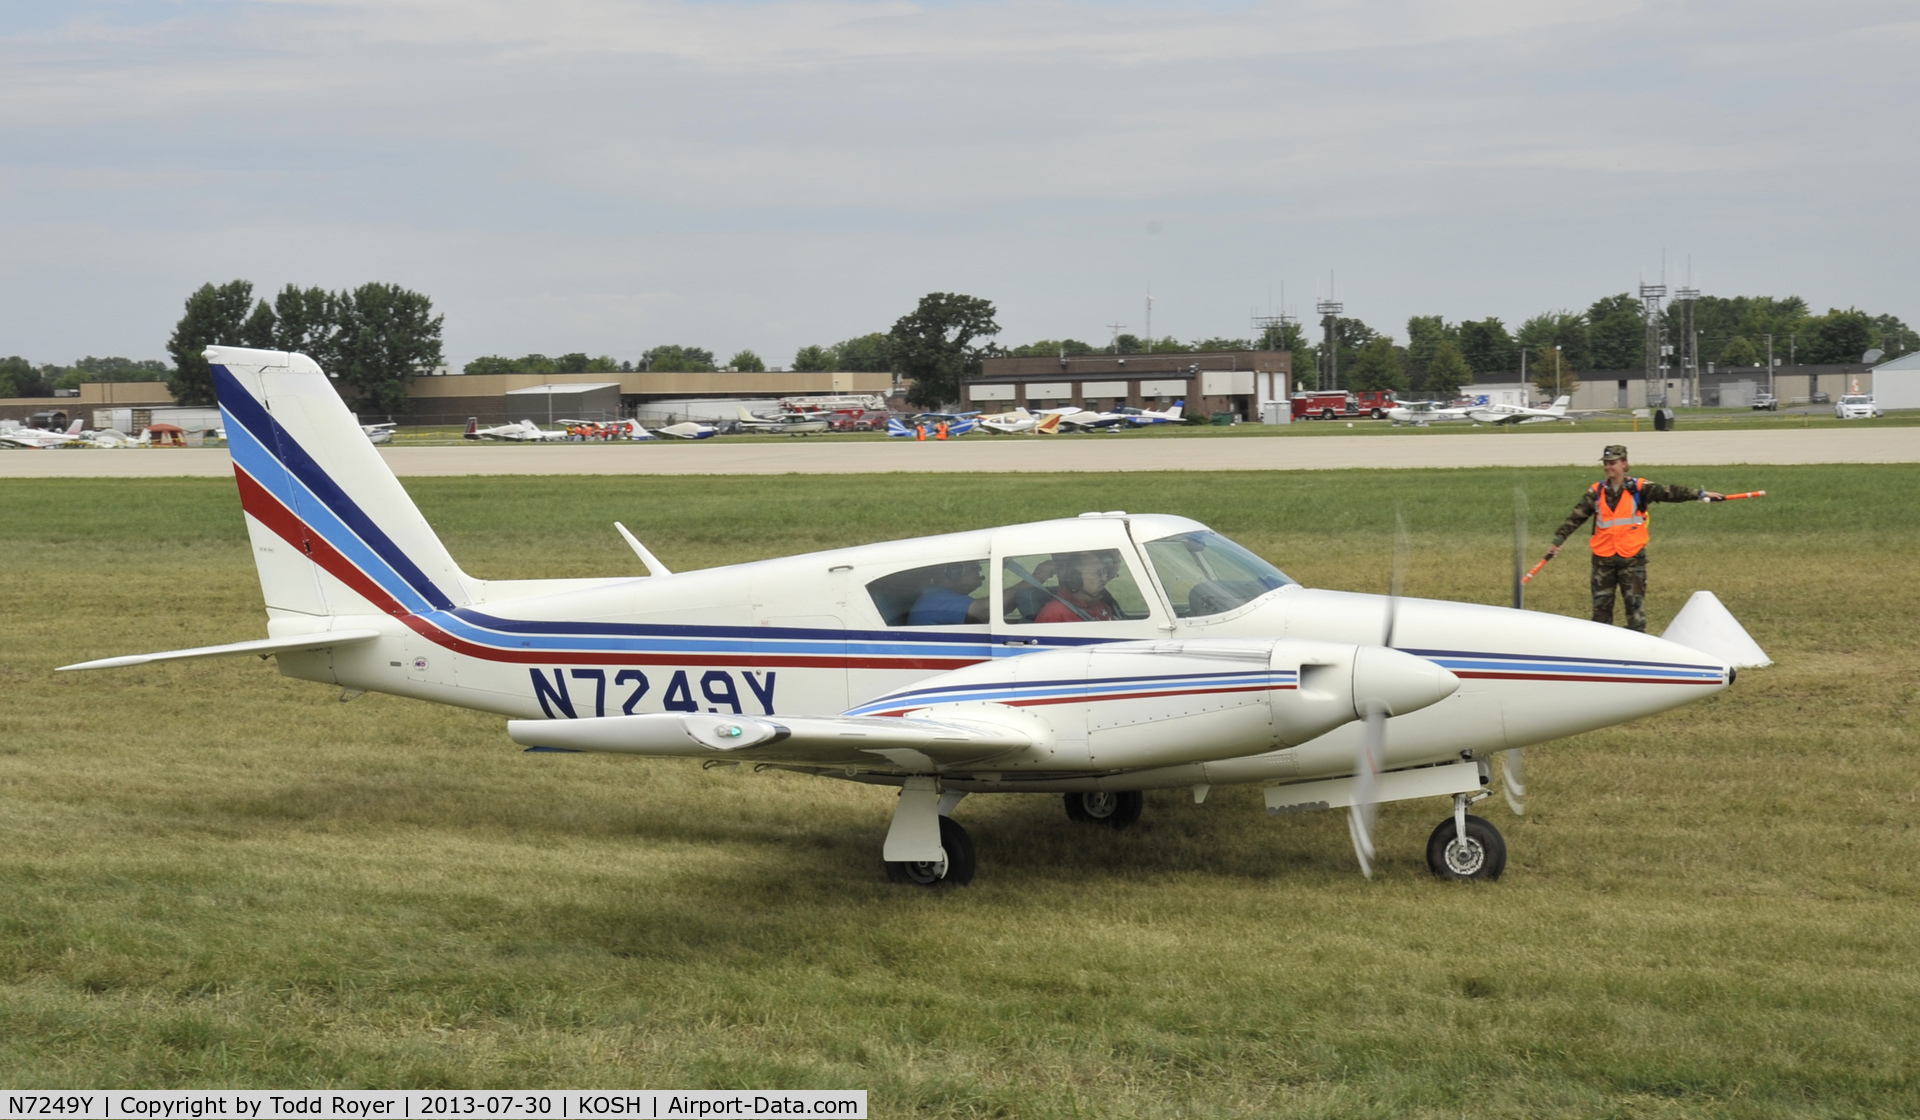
{"type": "Point", "coordinates": [1466, 848]}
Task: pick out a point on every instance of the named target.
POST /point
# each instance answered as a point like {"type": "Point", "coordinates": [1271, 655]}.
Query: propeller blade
{"type": "Point", "coordinates": [1513, 781]}
{"type": "Point", "coordinates": [1520, 572]}
{"type": "Point", "coordinates": [1366, 771]}
{"type": "Point", "coordinates": [1402, 545]}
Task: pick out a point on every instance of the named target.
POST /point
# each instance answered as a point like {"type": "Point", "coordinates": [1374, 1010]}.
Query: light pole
{"type": "Point", "coordinates": [1556, 371]}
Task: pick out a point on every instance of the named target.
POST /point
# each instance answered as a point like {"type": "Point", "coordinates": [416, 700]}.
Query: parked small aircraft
{"type": "Point", "coordinates": [1087, 420]}
{"type": "Point", "coordinates": [382, 433]}
{"type": "Point", "coordinates": [1421, 413]}
{"type": "Point", "coordinates": [688, 429]}
{"type": "Point", "coordinates": [1021, 421]}
{"type": "Point", "coordinates": [791, 423]}
{"type": "Point", "coordinates": [1146, 417]}
{"type": "Point", "coordinates": [526, 431]}
{"type": "Point", "coordinates": [1091, 657]}
{"type": "Point", "coordinates": [42, 437]}
{"type": "Point", "coordinates": [1517, 414]}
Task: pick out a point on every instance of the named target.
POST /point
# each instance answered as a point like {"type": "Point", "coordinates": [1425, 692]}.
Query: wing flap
{"type": "Point", "coordinates": [262, 648]}
{"type": "Point", "coordinates": [868, 740]}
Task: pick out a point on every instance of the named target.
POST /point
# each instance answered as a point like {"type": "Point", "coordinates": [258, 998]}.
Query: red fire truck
{"type": "Point", "coordinates": [1332, 405]}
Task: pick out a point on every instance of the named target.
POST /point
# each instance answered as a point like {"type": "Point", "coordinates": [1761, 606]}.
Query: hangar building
{"type": "Point", "coordinates": [1236, 381]}
{"type": "Point", "coordinates": [1896, 384]}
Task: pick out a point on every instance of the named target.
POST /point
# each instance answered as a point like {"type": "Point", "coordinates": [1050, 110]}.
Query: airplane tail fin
{"type": "Point", "coordinates": [76, 427]}
{"type": "Point", "coordinates": [1049, 425]}
{"type": "Point", "coordinates": [333, 531]}
{"type": "Point", "coordinates": [1173, 414]}
{"type": "Point", "coordinates": [473, 427]}
{"type": "Point", "coordinates": [1560, 405]}
{"type": "Point", "coordinates": [744, 413]}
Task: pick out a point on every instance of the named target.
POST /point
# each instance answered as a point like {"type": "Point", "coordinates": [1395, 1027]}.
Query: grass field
{"type": "Point", "coordinates": [210, 875]}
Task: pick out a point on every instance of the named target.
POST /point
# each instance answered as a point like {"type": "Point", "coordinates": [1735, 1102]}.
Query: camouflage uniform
{"type": "Point", "coordinates": [1627, 573]}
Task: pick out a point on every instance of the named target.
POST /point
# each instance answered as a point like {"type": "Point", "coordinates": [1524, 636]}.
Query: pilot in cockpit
{"type": "Point", "coordinates": [1082, 594]}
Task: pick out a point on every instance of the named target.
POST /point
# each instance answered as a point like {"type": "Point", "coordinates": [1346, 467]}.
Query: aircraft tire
{"type": "Point", "coordinates": [955, 871]}
{"type": "Point", "coordinates": [1102, 807]}
{"type": "Point", "coordinates": [1482, 859]}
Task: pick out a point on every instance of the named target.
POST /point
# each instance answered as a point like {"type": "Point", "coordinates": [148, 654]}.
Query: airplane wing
{"type": "Point", "coordinates": [898, 740]}
{"type": "Point", "coordinates": [265, 646]}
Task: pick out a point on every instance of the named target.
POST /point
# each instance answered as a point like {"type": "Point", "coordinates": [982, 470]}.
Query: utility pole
{"type": "Point", "coordinates": [1149, 318]}
{"type": "Point", "coordinates": [1684, 299]}
{"type": "Point", "coordinates": [1556, 371]}
{"type": "Point", "coordinates": [1770, 365]}
{"type": "Point", "coordinates": [1116, 328]}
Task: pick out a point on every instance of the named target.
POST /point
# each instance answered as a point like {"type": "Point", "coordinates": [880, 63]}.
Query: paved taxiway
{"type": "Point", "coordinates": [1098, 453]}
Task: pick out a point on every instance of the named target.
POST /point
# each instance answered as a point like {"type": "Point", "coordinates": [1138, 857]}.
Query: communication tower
{"type": "Point", "coordinates": [1329, 311]}
{"type": "Point", "coordinates": [1656, 347]}
{"type": "Point", "coordinates": [1683, 300]}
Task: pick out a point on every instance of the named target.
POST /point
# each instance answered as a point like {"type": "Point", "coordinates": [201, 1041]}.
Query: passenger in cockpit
{"type": "Point", "coordinates": [948, 599]}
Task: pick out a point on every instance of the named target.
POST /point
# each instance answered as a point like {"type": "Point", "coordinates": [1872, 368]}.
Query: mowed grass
{"type": "Point", "coordinates": [210, 875]}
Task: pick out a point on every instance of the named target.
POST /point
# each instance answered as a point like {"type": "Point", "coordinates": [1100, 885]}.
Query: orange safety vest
{"type": "Point", "coordinates": [1622, 529]}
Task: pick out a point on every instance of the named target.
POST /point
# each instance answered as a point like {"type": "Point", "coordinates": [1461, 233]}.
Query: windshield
{"type": "Point", "coordinates": [1205, 573]}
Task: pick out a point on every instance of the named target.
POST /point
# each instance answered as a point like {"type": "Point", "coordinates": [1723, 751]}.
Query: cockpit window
{"type": "Point", "coordinates": [1205, 573]}
{"type": "Point", "coordinates": [950, 594]}
{"type": "Point", "coordinates": [1082, 586]}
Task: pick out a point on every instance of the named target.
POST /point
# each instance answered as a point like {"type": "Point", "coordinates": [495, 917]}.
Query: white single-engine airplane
{"type": "Point", "coordinates": [1421, 413]}
{"type": "Point", "coordinates": [790, 423]}
{"type": "Point", "coordinates": [526, 431]}
{"type": "Point", "coordinates": [43, 437]}
{"type": "Point", "coordinates": [1518, 414]}
{"type": "Point", "coordinates": [1092, 657]}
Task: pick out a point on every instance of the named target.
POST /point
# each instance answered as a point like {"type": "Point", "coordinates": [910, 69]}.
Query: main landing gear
{"type": "Point", "coordinates": [954, 867]}
{"type": "Point", "coordinates": [1466, 848]}
{"type": "Point", "coordinates": [925, 847]}
{"type": "Point", "coordinates": [1115, 810]}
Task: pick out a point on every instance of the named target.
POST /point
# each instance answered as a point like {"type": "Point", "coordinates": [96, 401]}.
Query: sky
{"type": "Point", "coordinates": [610, 176]}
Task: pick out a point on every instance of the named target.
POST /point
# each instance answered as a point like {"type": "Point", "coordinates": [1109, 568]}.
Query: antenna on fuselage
{"type": "Point", "coordinates": [654, 566]}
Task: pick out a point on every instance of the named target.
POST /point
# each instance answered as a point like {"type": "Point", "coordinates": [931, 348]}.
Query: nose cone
{"type": "Point", "coordinates": [1401, 681]}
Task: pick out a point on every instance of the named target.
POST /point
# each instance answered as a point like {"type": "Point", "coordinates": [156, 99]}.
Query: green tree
{"type": "Point", "coordinates": [1563, 329]}
{"type": "Point", "coordinates": [1893, 336]}
{"type": "Point", "coordinates": [1739, 352]}
{"type": "Point", "coordinates": [935, 345]}
{"type": "Point", "coordinates": [15, 374]}
{"type": "Point", "coordinates": [1208, 345]}
{"type": "Point", "coordinates": [815, 359]}
{"type": "Point", "coordinates": [1487, 346]}
{"type": "Point", "coordinates": [384, 337]}
{"type": "Point", "coordinates": [261, 330]}
{"type": "Point", "coordinates": [678, 359]}
{"type": "Point", "coordinates": [1447, 371]}
{"type": "Point", "coordinates": [1616, 333]}
{"type": "Point", "coordinates": [575, 362]}
{"type": "Point", "coordinates": [215, 316]}
{"type": "Point", "coordinates": [1168, 345]}
{"type": "Point", "coordinates": [1424, 334]}
{"type": "Point", "coordinates": [1128, 344]}
{"type": "Point", "coordinates": [1837, 336]}
{"type": "Point", "coordinates": [305, 322]}
{"type": "Point", "coordinates": [867, 353]}
{"type": "Point", "coordinates": [1291, 337]}
{"type": "Point", "coordinates": [746, 361]}
{"type": "Point", "coordinates": [1052, 348]}
{"type": "Point", "coordinates": [1377, 365]}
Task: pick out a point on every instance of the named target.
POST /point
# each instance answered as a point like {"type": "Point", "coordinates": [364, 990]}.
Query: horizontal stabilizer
{"type": "Point", "coordinates": [261, 648]}
{"type": "Point", "coordinates": [876, 740]}
{"type": "Point", "coordinates": [1707, 625]}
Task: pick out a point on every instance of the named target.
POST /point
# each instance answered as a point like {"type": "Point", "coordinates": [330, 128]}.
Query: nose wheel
{"type": "Point", "coordinates": [1466, 848]}
{"type": "Point", "coordinates": [1113, 809]}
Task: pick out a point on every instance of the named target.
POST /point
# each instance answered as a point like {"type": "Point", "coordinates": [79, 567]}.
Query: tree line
{"type": "Point", "coordinates": [1439, 357]}
{"type": "Point", "coordinates": [370, 340]}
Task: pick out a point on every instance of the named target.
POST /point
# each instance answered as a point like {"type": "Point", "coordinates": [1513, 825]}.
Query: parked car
{"type": "Point", "coordinates": [1766, 402]}
{"type": "Point", "coordinates": [1856, 406]}
{"type": "Point", "coordinates": [1819, 398]}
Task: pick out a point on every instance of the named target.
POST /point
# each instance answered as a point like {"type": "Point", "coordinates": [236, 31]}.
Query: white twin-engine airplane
{"type": "Point", "coordinates": [1092, 657]}
{"type": "Point", "coordinates": [1518, 414]}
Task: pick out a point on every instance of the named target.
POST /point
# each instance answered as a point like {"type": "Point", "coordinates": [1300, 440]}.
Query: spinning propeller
{"type": "Point", "coordinates": [1512, 781]}
{"type": "Point", "coordinates": [1374, 712]}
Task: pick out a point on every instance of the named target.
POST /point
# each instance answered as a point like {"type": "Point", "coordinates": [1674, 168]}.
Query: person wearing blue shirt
{"type": "Point", "coordinates": [948, 599]}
